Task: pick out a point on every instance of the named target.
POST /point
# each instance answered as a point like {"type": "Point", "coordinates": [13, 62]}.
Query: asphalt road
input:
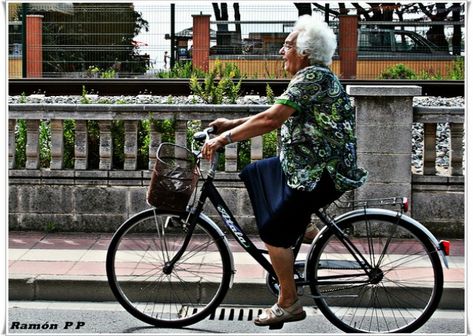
{"type": "Point", "coordinates": [41, 317]}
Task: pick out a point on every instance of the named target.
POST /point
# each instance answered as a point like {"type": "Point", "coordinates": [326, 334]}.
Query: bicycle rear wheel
{"type": "Point", "coordinates": [159, 295]}
{"type": "Point", "coordinates": [400, 291]}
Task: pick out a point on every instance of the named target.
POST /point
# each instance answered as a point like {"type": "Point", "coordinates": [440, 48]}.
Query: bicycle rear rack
{"type": "Point", "coordinates": [401, 202]}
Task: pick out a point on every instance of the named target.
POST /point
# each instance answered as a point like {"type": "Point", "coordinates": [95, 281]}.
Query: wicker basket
{"type": "Point", "coordinates": [173, 179]}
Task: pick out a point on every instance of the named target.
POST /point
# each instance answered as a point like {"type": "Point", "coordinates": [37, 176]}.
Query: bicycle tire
{"type": "Point", "coordinates": [405, 287]}
{"type": "Point", "coordinates": [192, 290]}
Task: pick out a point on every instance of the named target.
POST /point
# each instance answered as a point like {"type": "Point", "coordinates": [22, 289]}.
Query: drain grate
{"type": "Point", "coordinates": [235, 314]}
{"type": "Point", "coordinates": [239, 313]}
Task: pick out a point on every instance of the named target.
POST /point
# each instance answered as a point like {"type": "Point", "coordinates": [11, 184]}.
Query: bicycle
{"type": "Point", "coordinates": [368, 270]}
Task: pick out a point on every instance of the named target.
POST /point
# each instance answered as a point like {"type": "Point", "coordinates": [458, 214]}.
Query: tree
{"type": "Point", "coordinates": [383, 11]}
{"type": "Point", "coordinates": [95, 35]}
{"type": "Point", "coordinates": [236, 10]}
{"type": "Point", "coordinates": [231, 42]}
{"type": "Point", "coordinates": [436, 33]}
{"type": "Point", "coordinates": [303, 8]}
{"type": "Point", "coordinates": [457, 34]}
{"type": "Point", "coordinates": [377, 11]}
{"type": "Point", "coordinates": [221, 14]}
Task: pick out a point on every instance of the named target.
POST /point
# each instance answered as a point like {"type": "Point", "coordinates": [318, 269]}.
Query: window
{"type": "Point", "coordinates": [372, 40]}
{"type": "Point", "coordinates": [14, 39]}
{"type": "Point", "coordinates": [406, 42]}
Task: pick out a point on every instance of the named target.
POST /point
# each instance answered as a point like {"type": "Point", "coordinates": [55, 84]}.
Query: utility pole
{"type": "Point", "coordinates": [24, 12]}
{"type": "Point", "coordinates": [173, 37]}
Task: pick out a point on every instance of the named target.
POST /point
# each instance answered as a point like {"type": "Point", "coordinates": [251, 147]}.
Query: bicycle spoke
{"type": "Point", "coordinates": [168, 294]}
{"type": "Point", "coordinates": [160, 232]}
{"type": "Point", "coordinates": [402, 284]}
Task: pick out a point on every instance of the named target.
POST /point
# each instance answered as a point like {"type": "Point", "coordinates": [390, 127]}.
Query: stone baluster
{"type": "Point", "coordinates": [106, 145]}
{"type": "Point", "coordinates": [256, 148]}
{"type": "Point", "coordinates": [81, 147]}
{"type": "Point", "coordinates": [204, 164]}
{"type": "Point", "coordinates": [181, 139]}
{"type": "Point", "coordinates": [131, 145]}
{"type": "Point", "coordinates": [456, 148]}
{"type": "Point", "coordinates": [32, 144]}
{"type": "Point", "coordinates": [155, 141]}
{"type": "Point", "coordinates": [181, 133]}
{"type": "Point", "coordinates": [11, 143]}
{"type": "Point", "coordinates": [430, 151]}
{"type": "Point", "coordinates": [57, 144]}
{"type": "Point", "coordinates": [231, 157]}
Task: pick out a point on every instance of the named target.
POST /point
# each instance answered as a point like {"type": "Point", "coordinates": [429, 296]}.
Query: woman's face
{"type": "Point", "coordinates": [293, 61]}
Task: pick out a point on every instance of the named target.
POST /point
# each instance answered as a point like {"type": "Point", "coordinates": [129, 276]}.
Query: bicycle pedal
{"type": "Point", "coordinates": [276, 326]}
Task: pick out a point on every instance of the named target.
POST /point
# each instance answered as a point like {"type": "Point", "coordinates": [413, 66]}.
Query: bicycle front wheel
{"type": "Point", "coordinates": [398, 291]}
{"type": "Point", "coordinates": [149, 288]}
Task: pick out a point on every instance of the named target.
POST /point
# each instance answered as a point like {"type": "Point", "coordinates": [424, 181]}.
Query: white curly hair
{"type": "Point", "coordinates": [315, 39]}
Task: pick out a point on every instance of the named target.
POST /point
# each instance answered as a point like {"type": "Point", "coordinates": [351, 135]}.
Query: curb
{"type": "Point", "coordinates": [96, 289]}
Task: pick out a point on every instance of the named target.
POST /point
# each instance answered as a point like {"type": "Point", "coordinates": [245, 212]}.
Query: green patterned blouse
{"type": "Point", "coordinates": [320, 134]}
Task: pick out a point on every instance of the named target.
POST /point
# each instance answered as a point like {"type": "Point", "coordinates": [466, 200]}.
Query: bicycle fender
{"type": "Point", "coordinates": [393, 214]}
{"type": "Point", "coordinates": [214, 226]}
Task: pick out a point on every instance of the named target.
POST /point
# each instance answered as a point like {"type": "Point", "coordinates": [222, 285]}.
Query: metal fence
{"type": "Point", "coordinates": [110, 40]}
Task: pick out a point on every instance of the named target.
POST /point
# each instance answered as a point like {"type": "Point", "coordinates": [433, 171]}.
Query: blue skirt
{"type": "Point", "coordinates": [283, 213]}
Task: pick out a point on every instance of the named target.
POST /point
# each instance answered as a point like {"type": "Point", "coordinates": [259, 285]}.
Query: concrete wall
{"type": "Point", "coordinates": [97, 203]}
{"type": "Point", "coordinates": [57, 201]}
{"type": "Point", "coordinates": [100, 200]}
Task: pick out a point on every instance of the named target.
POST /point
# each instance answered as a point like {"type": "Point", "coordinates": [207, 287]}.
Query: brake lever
{"type": "Point", "coordinates": [202, 137]}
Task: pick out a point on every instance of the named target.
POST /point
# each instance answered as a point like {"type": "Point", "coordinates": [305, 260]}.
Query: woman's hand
{"type": "Point", "coordinates": [245, 128]}
{"type": "Point", "coordinates": [222, 124]}
{"type": "Point", "coordinates": [212, 145]}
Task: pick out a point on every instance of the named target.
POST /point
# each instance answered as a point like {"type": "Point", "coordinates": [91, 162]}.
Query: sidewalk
{"type": "Point", "coordinates": [71, 266]}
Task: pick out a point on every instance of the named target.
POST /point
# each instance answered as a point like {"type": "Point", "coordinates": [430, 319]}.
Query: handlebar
{"type": "Point", "coordinates": [204, 135]}
{"type": "Point", "coordinates": [201, 137]}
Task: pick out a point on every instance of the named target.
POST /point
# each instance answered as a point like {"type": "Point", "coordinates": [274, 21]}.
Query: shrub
{"type": "Point", "coordinates": [181, 70]}
{"type": "Point", "coordinates": [216, 86]}
{"type": "Point", "coordinates": [457, 71]}
{"type": "Point", "coordinates": [69, 141]}
{"type": "Point", "coordinates": [269, 94]}
{"type": "Point", "coordinates": [44, 144]}
{"type": "Point", "coordinates": [270, 144]}
{"type": "Point", "coordinates": [20, 150]}
{"type": "Point", "coordinates": [398, 71]}
{"type": "Point", "coordinates": [429, 75]}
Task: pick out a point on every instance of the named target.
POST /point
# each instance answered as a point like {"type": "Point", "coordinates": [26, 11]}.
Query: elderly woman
{"type": "Point", "coordinates": [317, 161]}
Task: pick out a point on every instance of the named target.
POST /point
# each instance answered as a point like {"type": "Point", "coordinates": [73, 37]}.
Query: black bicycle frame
{"type": "Point", "coordinates": [209, 191]}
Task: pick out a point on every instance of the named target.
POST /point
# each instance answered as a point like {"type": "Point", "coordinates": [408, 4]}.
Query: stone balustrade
{"type": "Point", "coordinates": [384, 124]}
{"type": "Point", "coordinates": [430, 117]}
{"type": "Point", "coordinates": [130, 114]}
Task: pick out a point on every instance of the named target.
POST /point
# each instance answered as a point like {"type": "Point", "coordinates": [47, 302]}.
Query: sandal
{"type": "Point", "coordinates": [275, 317]}
{"type": "Point", "coordinates": [310, 233]}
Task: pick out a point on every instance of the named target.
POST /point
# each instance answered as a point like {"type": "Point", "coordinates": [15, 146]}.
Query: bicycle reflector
{"type": "Point", "coordinates": [405, 204]}
{"type": "Point", "coordinates": [445, 246]}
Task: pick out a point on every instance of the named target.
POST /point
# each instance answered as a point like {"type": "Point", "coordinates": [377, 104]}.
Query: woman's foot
{"type": "Point", "coordinates": [310, 233]}
{"type": "Point", "coordinates": [275, 317]}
